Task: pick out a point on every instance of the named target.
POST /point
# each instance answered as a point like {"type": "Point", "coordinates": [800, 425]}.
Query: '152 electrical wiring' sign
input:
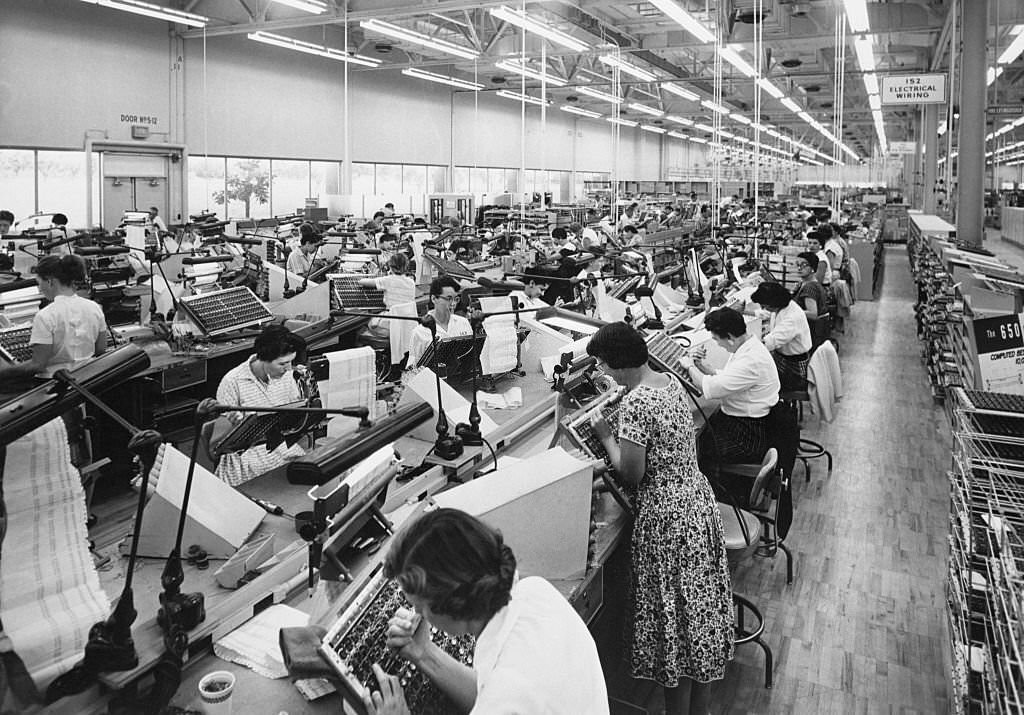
{"type": "Point", "coordinates": [1000, 344]}
{"type": "Point", "coordinates": [913, 88]}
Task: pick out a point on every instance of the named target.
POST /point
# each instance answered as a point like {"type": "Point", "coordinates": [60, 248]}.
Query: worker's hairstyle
{"type": "Point", "coordinates": [817, 235]}
{"type": "Point", "coordinates": [60, 220]}
{"type": "Point", "coordinates": [68, 270]}
{"type": "Point", "coordinates": [538, 278]}
{"type": "Point", "coordinates": [558, 233]}
{"type": "Point", "coordinates": [277, 341]}
{"type": "Point", "coordinates": [811, 258]}
{"type": "Point", "coordinates": [812, 220]}
{"type": "Point", "coordinates": [575, 226]}
{"type": "Point", "coordinates": [389, 205]}
{"type": "Point", "coordinates": [837, 230]}
{"type": "Point", "coordinates": [6, 216]}
{"type": "Point", "coordinates": [826, 232]}
{"type": "Point", "coordinates": [308, 234]}
{"type": "Point", "coordinates": [154, 208]}
{"type": "Point", "coordinates": [633, 205]}
{"type": "Point", "coordinates": [419, 222]}
{"type": "Point", "coordinates": [458, 565]}
{"type": "Point", "coordinates": [618, 346]}
{"type": "Point", "coordinates": [725, 323]}
{"type": "Point", "coordinates": [438, 285]}
{"type": "Point", "coordinates": [398, 264]}
{"type": "Point", "coordinates": [630, 228]}
{"type": "Point", "coordinates": [771, 295]}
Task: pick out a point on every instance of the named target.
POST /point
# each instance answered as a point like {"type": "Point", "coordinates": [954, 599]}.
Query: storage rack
{"type": "Point", "coordinates": [938, 314]}
{"type": "Point", "coordinates": [985, 589]}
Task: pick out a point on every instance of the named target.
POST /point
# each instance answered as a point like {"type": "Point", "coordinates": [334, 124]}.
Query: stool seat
{"type": "Point", "coordinates": [733, 531]}
{"type": "Point", "coordinates": [795, 396]}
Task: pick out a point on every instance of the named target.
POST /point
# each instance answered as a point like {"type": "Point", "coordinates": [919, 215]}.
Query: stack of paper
{"type": "Point", "coordinates": [256, 643]}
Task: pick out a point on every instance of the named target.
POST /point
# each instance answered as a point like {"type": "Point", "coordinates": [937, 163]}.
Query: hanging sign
{"type": "Point", "coordinates": [1000, 345]}
{"type": "Point", "coordinates": [913, 89]}
{"type": "Point", "coordinates": [902, 147]}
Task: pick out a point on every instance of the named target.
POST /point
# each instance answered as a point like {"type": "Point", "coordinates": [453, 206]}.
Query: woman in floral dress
{"type": "Point", "coordinates": [680, 625]}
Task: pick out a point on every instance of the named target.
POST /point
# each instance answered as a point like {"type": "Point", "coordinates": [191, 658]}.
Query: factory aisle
{"type": "Point", "coordinates": [862, 627]}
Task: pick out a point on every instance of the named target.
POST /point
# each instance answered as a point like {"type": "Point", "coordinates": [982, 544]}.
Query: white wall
{"type": "Point", "coordinates": [69, 67]}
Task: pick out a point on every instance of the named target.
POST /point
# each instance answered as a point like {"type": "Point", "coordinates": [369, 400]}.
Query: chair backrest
{"type": "Point", "coordinates": [821, 329]}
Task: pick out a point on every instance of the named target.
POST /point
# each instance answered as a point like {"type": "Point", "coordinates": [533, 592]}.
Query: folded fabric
{"type": "Point", "coordinates": [300, 647]}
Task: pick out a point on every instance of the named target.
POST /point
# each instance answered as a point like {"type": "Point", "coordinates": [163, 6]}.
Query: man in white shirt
{"type": "Point", "coordinates": [301, 259]}
{"type": "Point", "coordinates": [629, 217]}
{"type": "Point", "coordinates": [747, 388]}
{"type": "Point", "coordinates": [158, 223]}
{"type": "Point", "coordinates": [444, 295]}
{"type": "Point", "coordinates": [530, 295]}
{"type": "Point", "coordinates": [789, 338]}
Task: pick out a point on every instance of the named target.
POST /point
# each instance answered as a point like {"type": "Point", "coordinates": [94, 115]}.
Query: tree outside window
{"type": "Point", "coordinates": [248, 183]}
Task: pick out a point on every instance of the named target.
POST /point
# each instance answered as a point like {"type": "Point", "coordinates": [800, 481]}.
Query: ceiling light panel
{"type": "Point", "coordinates": [646, 110]}
{"type": "Point", "coordinates": [526, 71]}
{"type": "Point", "coordinates": [538, 27]}
{"type": "Point", "coordinates": [309, 48]}
{"type": "Point", "coordinates": [418, 38]}
{"type": "Point", "coordinates": [688, 22]}
{"type": "Point", "coordinates": [680, 92]}
{"type": "Point", "coordinates": [598, 94]}
{"type": "Point", "coordinates": [442, 79]}
{"type": "Point", "coordinates": [580, 111]}
{"type": "Point", "coordinates": [155, 11]}
{"type": "Point", "coordinates": [317, 7]}
{"type": "Point", "coordinates": [631, 70]}
{"type": "Point", "coordinates": [623, 122]}
{"type": "Point", "coordinates": [523, 98]}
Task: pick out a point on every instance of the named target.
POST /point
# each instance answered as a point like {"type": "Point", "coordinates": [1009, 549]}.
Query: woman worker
{"type": "Point", "coordinates": [444, 295]}
{"type": "Point", "coordinates": [680, 624]}
{"type": "Point", "coordinates": [533, 652]}
{"type": "Point", "coordinates": [302, 261]}
{"type": "Point", "coordinates": [68, 331]}
{"type": "Point", "coordinates": [265, 379]}
{"type": "Point", "coordinates": [747, 387]}
{"type": "Point", "coordinates": [789, 337]}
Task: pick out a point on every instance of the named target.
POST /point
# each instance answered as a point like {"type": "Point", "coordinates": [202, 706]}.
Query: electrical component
{"type": "Point", "coordinates": [225, 310]}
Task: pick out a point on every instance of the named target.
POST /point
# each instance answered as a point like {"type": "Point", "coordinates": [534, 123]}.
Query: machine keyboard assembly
{"type": "Point", "coordinates": [222, 311]}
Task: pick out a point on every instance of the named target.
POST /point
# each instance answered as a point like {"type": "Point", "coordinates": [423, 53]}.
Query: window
{"type": "Point", "coordinates": [478, 180]}
{"type": "Point", "coordinates": [362, 178]}
{"type": "Point", "coordinates": [325, 178]}
{"type": "Point", "coordinates": [62, 184]}
{"type": "Point", "coordinates": [437, 184]}
{"type": "Point", "coordinates": [17, 177]}
{"type": "Point", "coordinates": [495, 181]}
{"type": "Point", "coordinates": [512, 180]}
{"type": "Point", "coordinates": [248, 188]}
{"type": "Point", "coordinates": [389, 181]}
{"type": "Point", "coordinates": [205, 182]}
{"type": "Point", "coordinates": [461, 180]}
{"type": "Point", "coordinates": [289, 186]}
{"type": "Point", "coordinates": [414, 179]}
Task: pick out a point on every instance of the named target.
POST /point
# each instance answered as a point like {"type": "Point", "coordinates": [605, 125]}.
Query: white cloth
{"type": "Point", "coordinates": [536, 656]}
{"type": "Point", "coordinates": [158, 224]}
{"type": "Point", "coordinates": [835, 253]}
{"type": "Point", "coordinates": [241, 387]}
{"type": "Point", "coordinates": [589, 238]}
{"type": "Point", "coordinates": [748, 384]}
{"type": "Point", "coordinates": [824, 268]}
{"type": "Point", "coordinates": [71, 324]}
{"type": "Point", "coordinates": [421, 338]}
{"type": "Point", "coordinates": [824, 380]}
{"type": "Point", "coordinates": [397, 289]}
{"type": "Point", "coordinates": [789, 332]}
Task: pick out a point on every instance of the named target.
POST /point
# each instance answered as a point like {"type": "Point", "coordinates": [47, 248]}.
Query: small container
{"type": "Point", "coordinates": [215, 690]}
{"type": "Point", "coordinates": [303, 519]}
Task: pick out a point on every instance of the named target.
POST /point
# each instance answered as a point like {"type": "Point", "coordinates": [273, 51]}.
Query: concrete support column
{"type": "Point", "coordinates": [970, 219]}
{"type": "Point", "coordinates": [930, 139]}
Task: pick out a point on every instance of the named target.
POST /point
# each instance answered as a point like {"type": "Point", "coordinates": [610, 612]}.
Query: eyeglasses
{"type": "Point", "coordinates": [448, 298]}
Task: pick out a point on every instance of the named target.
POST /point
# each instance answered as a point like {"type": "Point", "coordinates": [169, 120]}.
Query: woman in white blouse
{"type": "Point", "coordinates": [533, 652]}
{"type": "Point", "coordinates": [747, 388]}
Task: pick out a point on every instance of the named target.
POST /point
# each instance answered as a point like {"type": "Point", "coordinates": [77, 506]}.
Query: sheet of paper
{"type": "Point", "coordinates": [255, 644]}
{"type": "Point", "coordinates": [352, 379]}
{"type": "Point", "coordinates": [50, 594]}
{"type": "Point", "coordinates": [557, 321]}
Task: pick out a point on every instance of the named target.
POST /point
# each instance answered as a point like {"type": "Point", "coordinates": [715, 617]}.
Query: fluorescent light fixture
{"type": "Point", "coordinates": [680, 92]}
{"type": "Point", "coordinates": [857, 15]}
{"type": "Point", "coordinates": [791, 105]}
{"type": "Point", "coordinates": [714, 106]}
{"type": "Point", "coordinates": [743, 140]}
{"type": "Point", "coordinates": [580, 111]}
{"type": "Point", "coordinates": [523, 98]}
{"type": "Point", "coordinates": [724, 133]}
{"type": "Point", "coordinates": [871, 83]}
{"type": "Point", "coordinates": [705, 128]}
{"type": "Point", "coordinates": [649, 128]}
{"type": "Point", "coordinates": [688, 21]}
{"type": "Point", "coordinates": [646, 110]}
{"type": "Point", "coordinates": [731, 56]}
{"type": "Point", "coordinates": [156, 11]}
{"type": "Point", "coordinates": [806, 117]}
{"type": "Point", "coordinates": [626, 67]}
{"type": "Point", "coordinates": [739, 118]}
{"type": "Point", "coordinates": [679, 120]}
{"type": "Point", "coordinates": [520, 69]}
{"type": "Point", "coordinates": [538, 27]}
{"type": "Point", "coordinates": [442, 79]}
{"type": "Point", "coordinates": [418, 38]}
{"type": "Point", "coordinates": [992, 73]}
{"type": "Point", "coordinates": [598, 94]}
{"type": "Point", "coordinates": [769, 87]}
{"type": "Point", "coordinates": [699, 140]}
{"type": "Point", "coordinates": [1012, 50]}
{"type": "Point", "coordinates": [623, 122]}
{"type": "Point", "coordinates": [678, 135]}
{"type": "Point", "coordinates": [865, 55]}
{"type": "Point", "coordinates": [314, 6]}
{"type": "Point", "coordinates": [288, 43]}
